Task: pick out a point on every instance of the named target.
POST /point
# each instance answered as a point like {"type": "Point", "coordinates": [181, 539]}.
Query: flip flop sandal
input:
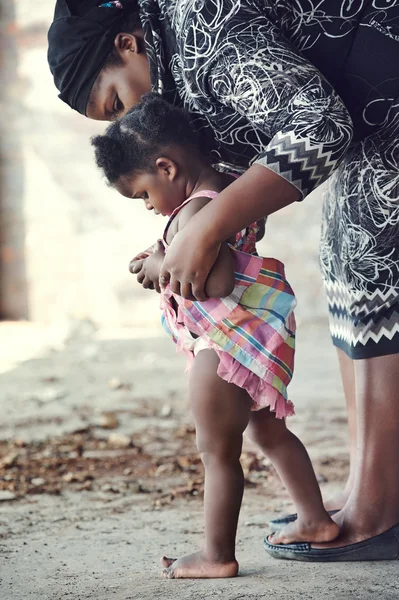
{"type": "Point", "coordinates": [384, 546]}
{"type": "Point", "coordinates": [278, 524]}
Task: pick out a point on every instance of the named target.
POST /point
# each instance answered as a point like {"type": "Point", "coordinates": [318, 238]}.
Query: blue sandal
{"type": "Point", "coordinates": [384, 546]}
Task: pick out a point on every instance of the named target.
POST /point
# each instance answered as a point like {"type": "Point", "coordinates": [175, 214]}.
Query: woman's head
{"type": "Point", "coordinates": [97, 56]}
{"type": "Point", "coordinates": [149, 153]}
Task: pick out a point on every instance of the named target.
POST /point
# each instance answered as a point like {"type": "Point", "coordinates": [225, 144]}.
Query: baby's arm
{"type": "Point", "coordinates": [221, 280]}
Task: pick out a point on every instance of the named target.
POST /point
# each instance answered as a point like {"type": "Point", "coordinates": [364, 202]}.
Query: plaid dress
{"type": "Point", "coordinates": [252, 330]}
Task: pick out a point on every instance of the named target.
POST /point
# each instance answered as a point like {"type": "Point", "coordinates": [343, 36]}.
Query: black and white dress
{"type": "Point", "coordinates": [309, 89]}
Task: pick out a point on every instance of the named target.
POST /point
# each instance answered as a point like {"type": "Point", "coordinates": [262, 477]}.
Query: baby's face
{"type": "Point", "coordinates": [157, 190]}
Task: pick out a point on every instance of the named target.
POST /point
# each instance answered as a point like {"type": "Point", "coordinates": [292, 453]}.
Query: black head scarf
{"type": "Point", "coordinates": [80, 40]}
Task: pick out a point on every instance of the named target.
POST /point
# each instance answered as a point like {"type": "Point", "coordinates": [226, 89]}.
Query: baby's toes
{"type": "Point", "coordinates": [168, 573]}
{"type": "Point", "coordinates": [275, 538]}
{"type": "Point", "coordinates": [166, 562]}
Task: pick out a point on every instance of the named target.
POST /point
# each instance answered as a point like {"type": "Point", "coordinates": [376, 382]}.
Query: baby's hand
{"type": "Point", "coordinates": [137, 262]}
{"type": "Point", "coordinates": [148, 268]}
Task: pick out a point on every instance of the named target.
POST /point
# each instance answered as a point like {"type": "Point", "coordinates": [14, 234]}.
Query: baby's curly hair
{"type": "Point", "coordinates": [133, 143]}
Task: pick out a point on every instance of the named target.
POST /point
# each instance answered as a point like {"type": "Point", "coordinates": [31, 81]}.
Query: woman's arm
{"type": "Point", "coordinates": [258, 78]}
{"type": "Point", "coordinates": [221, 279]}
{"type": "Point", "coordinates": [264, 192]}
{"type": "Point", "coordinates": [195, 249]}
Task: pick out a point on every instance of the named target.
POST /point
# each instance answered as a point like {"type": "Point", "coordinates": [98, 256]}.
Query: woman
{"type": "Point", "coordinates": [248, 74]}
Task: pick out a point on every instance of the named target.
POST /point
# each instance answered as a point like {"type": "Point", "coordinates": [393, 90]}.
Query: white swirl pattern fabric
{"type": "Point", "coordinates": [359, 251]}
{"type": "Point", "coordinates": [286, 84]}
{"type": "Point", "coordinates": [252, 95]}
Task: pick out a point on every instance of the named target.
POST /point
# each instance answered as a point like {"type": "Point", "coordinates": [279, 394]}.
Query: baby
{"type": "Point", "coordinates": [240, 342]}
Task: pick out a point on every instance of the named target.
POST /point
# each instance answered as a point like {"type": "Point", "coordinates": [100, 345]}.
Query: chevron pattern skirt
{"type": "Point", "coordinates": [359, 250]}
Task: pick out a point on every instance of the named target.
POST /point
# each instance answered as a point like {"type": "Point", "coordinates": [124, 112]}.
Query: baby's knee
{"type": "Point", "coordinates": [219, 451]}
{"type": "Point", "coordinates": [268, 434]}
{"type": "Point", "coordinates": [220, 458]}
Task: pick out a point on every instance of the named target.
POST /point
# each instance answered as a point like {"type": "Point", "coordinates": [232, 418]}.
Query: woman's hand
{"type": "Point", "coordinates": [256, 194]}
{"type": "Point", "coordinates": [188, 262]}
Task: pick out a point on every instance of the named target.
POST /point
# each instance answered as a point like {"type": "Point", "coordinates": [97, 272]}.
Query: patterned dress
{"type": "Point", "coordinates": [310, 90]}
{"type": "Point", "coordinates": [252, 330]}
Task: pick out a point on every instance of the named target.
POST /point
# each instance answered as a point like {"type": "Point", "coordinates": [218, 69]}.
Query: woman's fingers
{"type": "Point", "coordinates": [174, 285]}
{"type": "Point", "coordinates": [164, 277]}
{"type": "Point", "coordinates": [198, 290]}
{"type": "Point", "coordinates": [186, 289]}
{"type": "Point", "coordinates": [141, 277]}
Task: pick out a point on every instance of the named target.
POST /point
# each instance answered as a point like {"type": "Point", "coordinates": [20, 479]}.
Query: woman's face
{"type": "Point", "coordinates": [120, 86]}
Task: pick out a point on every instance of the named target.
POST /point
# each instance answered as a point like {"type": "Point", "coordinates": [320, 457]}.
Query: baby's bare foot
{"type": "Point", "coordinates": [197, 566]}
{"type": "Point", "coordinates": [298, 531]}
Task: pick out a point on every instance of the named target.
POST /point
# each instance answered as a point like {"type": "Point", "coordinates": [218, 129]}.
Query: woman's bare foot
{"type": "Point", "coordinates": [357, 524]}
{"type": "Point", "coordinates": [197, 566]}
{"type": "Point", "coordinates": [299, 531]}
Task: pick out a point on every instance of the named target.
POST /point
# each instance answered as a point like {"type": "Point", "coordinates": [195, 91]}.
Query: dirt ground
{"type": "Point", "coordinates": [99, 474]}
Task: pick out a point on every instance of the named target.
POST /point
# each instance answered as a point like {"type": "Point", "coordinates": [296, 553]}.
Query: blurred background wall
{"type": "Point", "coordinates": [65, 238]}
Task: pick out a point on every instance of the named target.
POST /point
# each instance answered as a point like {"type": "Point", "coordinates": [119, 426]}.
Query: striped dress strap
{"type": "Point", "coordinates": [200, 194]}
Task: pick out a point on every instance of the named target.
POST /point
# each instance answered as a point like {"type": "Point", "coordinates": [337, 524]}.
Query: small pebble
{"type": "Point", "coordinates": [119, 440]}
{"type": "Point", "coordinates": [6, 495]}
{"type": "Point", "coordinates": [9, 460]}
{"type": "Point", "coordinates": [37, 481]}
{"type": "Point", "coordinates": [50, 394]}
{"type": "Point", "coordinates": [166, 411]}
{"type": "Point", "coordinates": [109, 420]}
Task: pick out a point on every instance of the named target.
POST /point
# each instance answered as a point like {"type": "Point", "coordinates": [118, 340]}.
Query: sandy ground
{"type": "Point", "coordinates": [98, 449]}
{"type": "Point", "coordinates": [85, 548]}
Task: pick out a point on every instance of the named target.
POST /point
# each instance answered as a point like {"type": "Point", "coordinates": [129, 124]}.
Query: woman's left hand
{"type": "Point", "coordinates": [195, 248]}
{"type": "Point", "coordinates": [187, 264]}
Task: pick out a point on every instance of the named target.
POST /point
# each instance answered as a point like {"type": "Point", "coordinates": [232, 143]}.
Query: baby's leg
{"type": "Point", "coordinates": [291, 461]}
{"type": "Point", "coordinates": [221, 413]}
